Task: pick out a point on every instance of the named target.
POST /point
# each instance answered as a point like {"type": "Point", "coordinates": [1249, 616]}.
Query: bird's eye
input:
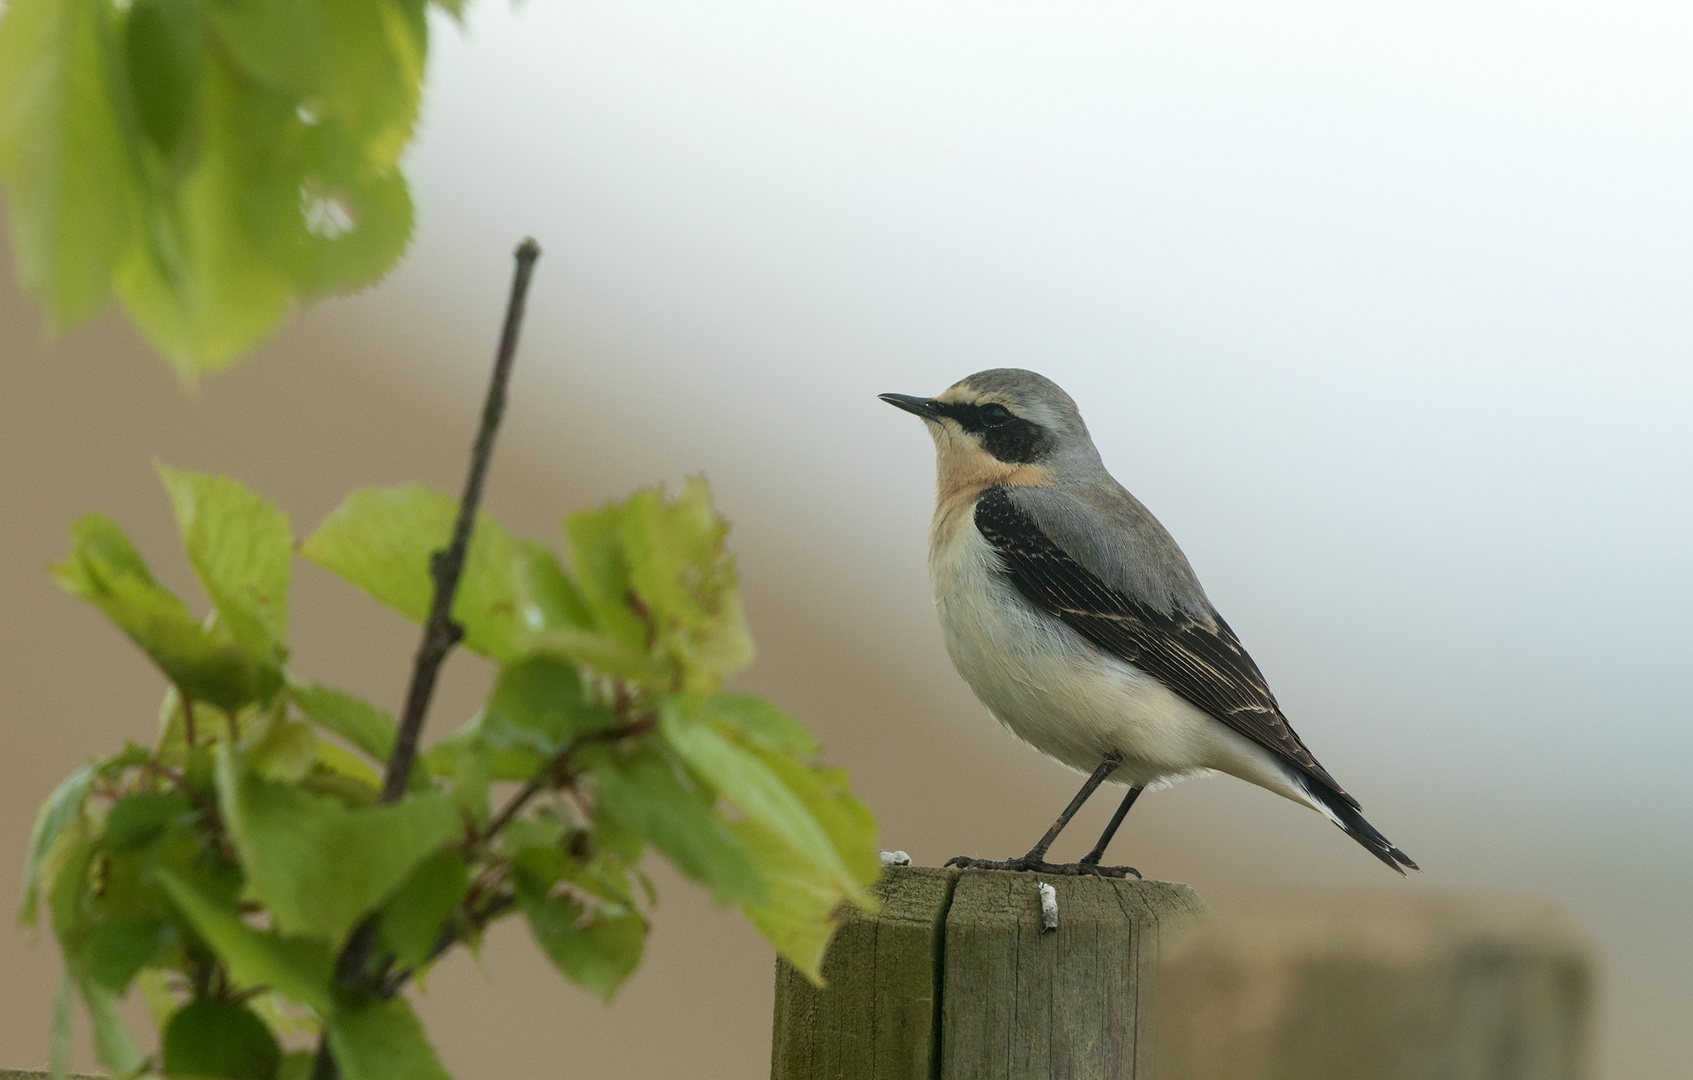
{"type": "Point", "coordinates": [995, 414]}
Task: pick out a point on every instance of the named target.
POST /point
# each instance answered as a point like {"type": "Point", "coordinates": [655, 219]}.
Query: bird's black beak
{"type": "Point", "coordinates": [919, 406]}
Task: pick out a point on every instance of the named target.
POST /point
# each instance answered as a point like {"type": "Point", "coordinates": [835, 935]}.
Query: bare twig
{"type": "Point", "coordinates": [440, 632]}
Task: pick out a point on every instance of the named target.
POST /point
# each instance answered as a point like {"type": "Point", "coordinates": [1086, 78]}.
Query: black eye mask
{"type": "Point", "coordinates": [1004, 434]}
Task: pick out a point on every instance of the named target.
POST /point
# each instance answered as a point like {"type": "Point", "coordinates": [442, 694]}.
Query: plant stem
{"type": "Point", "coordinates": [552, 773]}
{"type": "Point", "coordinates": [440, 632]}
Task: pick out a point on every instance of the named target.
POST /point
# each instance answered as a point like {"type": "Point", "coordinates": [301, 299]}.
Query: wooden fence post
{"type": "Point", "coordinates": [956, 979]}
{"type": "Point", "coordinates": [1398, 985]}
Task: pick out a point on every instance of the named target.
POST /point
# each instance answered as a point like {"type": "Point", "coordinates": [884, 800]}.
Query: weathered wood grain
{"type": "Point", "coordinates": [1072, 1004]}
{"type": "Point", "coordinates": [875, 1020]}
{"type": "Point", "coordinates": [1012, 1001]}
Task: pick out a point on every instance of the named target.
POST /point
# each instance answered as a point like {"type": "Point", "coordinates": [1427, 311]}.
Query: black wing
{"type": "Point", "coordinates": [1202, 661]}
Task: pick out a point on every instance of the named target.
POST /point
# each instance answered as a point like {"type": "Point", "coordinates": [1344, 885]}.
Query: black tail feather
{"type": "Point", "coordinates": [1351, 822]}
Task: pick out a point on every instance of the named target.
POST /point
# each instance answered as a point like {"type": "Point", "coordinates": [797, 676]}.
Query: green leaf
{"type": "Point", "coordinates": [154, 986]}
{"type": "Point", "coordinates": [298, 969]}
{"type": "Point", "coordinates": [135, 822]}
{"type": "Point", "coordinates": [105, 570]}
{"type": "Point", "coordinates": [410, 924]}
{"type": "Point", "coordinates": [748, 781]}
{"type": "Point", "coordinates": [645, 794]}
{"type": "Point", "coordinates": [67, 870]}
{"type": "Point", "coordinates": [359, 722]}
{"type": "Point", "coordinates": [760, 723]}
{"type": "Point", "coordinates": [549, 599]}
{"type": "Point", "coordinates": [848, 823]}
{"type": "Point", "coordinates": [327, 213]}
{"type": "Point", "coordinates": [685, 578]}
{"type": "Point", "coordinates": [358, 63]}
{"type": "Point", "coordinates": [382, 1040]}
{"type": "Point", "coordinates": [601, 567]}
{"type": "Point", "coordinates": [598, 951]}
{"type": "Point", "coordinates": [164, 46]}
{"type": "Point", "coordinates": [539, 701]}
{"type": "Point", "coordinates": [800, 915]}
{"type": "Point", "coordinates": [202, 287]}
{"type": "Point", "coordinates": [61, 810]}
{"type": "Point", "coordinates": [318, 866]}
{"type": "Point", "coordinates": [240, 545]}
{"type": "Point", "coordinates": [119, 949]}
{"type": "Point", "coordinates": [470, 783]}
{"type": "Point", "coordinates": [277, 748]}
{"type": "Point", "coordinates": [219, 1039]}
{"type": "Point", "coordinates": [113, 1046]}
{"type": "Point", "coordinates": [62, 153]}
{"type": "Point", "coordinates": [381, 540]}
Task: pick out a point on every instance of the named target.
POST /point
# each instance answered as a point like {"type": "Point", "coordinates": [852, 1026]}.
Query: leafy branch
{"type": "Point", "coordinates": [270, 874]}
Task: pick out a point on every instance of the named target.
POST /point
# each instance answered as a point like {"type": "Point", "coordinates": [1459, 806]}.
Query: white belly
{"type": "Point", "coordinates": [1062, 695]}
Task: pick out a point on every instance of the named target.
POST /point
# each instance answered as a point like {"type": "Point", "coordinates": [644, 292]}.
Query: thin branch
{"type": "Point", "coordinates": [551, 772]}
{"type": "Point", "coordinates": [441, 633]}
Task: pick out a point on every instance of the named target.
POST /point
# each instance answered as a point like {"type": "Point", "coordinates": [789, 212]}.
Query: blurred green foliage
{"type": "Point", "coordinates": [231, 868]}
{"type": "Point", "coordinates": [213, 161]}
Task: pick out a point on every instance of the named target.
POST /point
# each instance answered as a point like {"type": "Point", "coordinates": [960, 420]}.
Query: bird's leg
{"type": "Point", "coordinates": [1035, 859]}
{"type": "Point", "coordinates": [1091, 859]}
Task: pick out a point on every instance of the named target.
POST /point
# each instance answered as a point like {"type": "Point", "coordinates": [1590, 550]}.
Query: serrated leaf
{"type": "Point", "coordinates": [298, 969]}
{"type": "Point", "coordinates": [354, 719]}
{"type": "Point", "coordinates": [62, 153]}
{"type": "Point", "coordinates": [223, 1040]}
{"type": "Point", "coordinates": [597, 950]}
{"type": "Point", "coordinates": [642, 793]}
{"type": "Point", "coordinates": [318, 866]}
{"type": "Point", "coordinates": [105, 570]}
{"type": "Point", "coordinates": [382, 1040]}
{"type": "Point", "coordinates": [330, 215]}
{"type": "Point", "coordinates": [117, 950]}
{"type": "Point", "coordinates": [240, 546]}
{"type": "Point", "coordinates": [62, 809]}
{"type": "Point", "coordinates": [381, 539]}
{"type": "Point", "coordinates": [410, 923]}
{"type": "Point", "coordinates": [685, 578]}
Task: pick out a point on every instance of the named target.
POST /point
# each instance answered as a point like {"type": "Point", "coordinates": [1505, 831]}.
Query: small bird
{"type": "Point", "coordinates": [1078, 622]}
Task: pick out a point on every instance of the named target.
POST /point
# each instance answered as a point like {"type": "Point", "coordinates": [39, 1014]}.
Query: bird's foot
{"type": "Point", "coordinates": [1032, 863]}
{"type": "Point", "coordinates": [1090, 865]}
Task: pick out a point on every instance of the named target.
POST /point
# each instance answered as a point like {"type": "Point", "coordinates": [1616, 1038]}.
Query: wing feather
{"type": "Point", "coordinates": [1198, 658]}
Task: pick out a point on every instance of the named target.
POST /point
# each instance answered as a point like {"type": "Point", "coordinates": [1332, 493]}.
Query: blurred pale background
{"type": "Point", "coordinates": [1386, 311]}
